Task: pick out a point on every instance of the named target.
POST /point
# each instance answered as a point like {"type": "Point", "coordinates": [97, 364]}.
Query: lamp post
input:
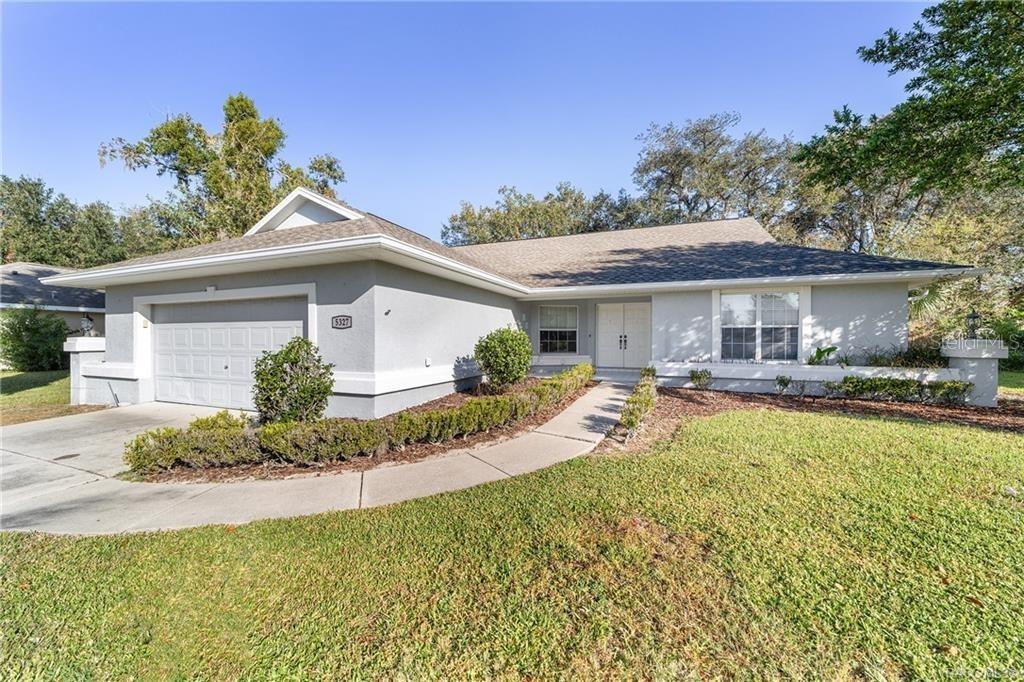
{"type": "Point", "coordinates": [972, 324]}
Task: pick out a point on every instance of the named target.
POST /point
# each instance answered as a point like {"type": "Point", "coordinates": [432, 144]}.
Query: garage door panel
{"type": "Point", "coordinates": [238, 339]}
{"type": "Point", "coordinates": [211, 363]}
{"type": "Point", "coordinates": [218, 338]}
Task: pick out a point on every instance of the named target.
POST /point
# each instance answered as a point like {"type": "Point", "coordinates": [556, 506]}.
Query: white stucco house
{"type": "Point", "coordinates": [398, 314]}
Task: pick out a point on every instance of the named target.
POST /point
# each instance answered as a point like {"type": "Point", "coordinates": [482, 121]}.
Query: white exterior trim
{"type": "Point", "coordinates": [774, 282]}
{"type": "Point", "coordinates": [85, 344]}
{"type": "Point", "coordinates": [560, 359]}
{"type": "Point", "coordinates": [805, 327]}
{"type": "Point", "coordinates": [55, 308]}
{"type": "Point", "coordinates": [377, 383]}
{"type": "Point", "coordinates": [290, 202]}
{"type": "Point", "coordinates": [768, 372]}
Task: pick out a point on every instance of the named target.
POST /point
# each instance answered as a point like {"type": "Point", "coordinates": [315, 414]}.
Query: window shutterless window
{"type": "Point", "coordinates": [760, 327]}
{"type": "Point", "coordinates": [559, 328]}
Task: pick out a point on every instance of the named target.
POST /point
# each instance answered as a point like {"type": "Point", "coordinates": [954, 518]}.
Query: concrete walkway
{"type": "Point", "coordinates": [65, 497]}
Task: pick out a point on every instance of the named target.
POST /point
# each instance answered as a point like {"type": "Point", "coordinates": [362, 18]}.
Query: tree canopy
{"type": "Point", "coordinates": [962, 125]}
{"type": "Point", "coordinates": [41, 226]}
{"type": "Point", "coordinates": [224, 182]}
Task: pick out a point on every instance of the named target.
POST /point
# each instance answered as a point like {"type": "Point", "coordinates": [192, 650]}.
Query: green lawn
{"type": "Point", "coordinates": [1011, 384]}
{"type": "Point", "coordinates": [756, 544]}
{"type": "Point", "coordinates": [26, 396]}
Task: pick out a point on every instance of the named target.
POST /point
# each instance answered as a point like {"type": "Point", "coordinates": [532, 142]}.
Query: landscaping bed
{"type": "Point", "coordinates": [272, 467]}
{"type": "Point", "coordinates": [675, 404]}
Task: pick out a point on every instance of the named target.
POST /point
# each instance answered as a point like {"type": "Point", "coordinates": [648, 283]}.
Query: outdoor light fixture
{"type": "Point", "coordinates": [972, 324]}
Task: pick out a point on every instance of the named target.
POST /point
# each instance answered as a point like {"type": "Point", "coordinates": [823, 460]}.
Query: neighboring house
{"type": "Point", "coordinates": [20, 287]}
{"type": "Point", "coordinates": [398, 314]}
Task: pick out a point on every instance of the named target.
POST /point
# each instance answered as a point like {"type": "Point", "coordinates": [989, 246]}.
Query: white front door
{"type": "Point", "coordinates": [623, 334]}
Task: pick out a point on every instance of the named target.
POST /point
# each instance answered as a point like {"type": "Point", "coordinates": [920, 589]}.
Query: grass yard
{"type": "Point", "coordinates": [27, 396]}
{"type": "Point", "coordinates": [1011, 384]}
{"type": "Point", "coordinates": [753, 544]}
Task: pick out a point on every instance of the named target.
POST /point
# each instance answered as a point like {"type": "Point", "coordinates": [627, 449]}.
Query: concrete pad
{"type": "Point", "coordinates": [94, 441]}
{"type": "Point", "coordinates": [104, 506]}
{"type": "Point", "coordinates": [420, 479]}
{"type": "Point", "coordinates": [246, 501]}
{"type": "Point", "coordinates": [591, 416]}
{"type": "Point", "coordinates": [531, 451]}
{"type": "Point", "coordinates": [23, 477]}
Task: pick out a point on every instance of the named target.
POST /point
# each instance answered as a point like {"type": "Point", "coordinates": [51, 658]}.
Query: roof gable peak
{"type": "Point", "coordinates": [301, 208]}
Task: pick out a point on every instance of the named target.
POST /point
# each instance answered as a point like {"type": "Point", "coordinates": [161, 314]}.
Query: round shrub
{"type": "Point", "coordinates": [293, 383]}
{"type": "Point", "coordinates": [504, 355]}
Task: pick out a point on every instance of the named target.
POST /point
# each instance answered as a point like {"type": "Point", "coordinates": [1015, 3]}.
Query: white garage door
{"type": "Point", "coordinates": [211, 363]}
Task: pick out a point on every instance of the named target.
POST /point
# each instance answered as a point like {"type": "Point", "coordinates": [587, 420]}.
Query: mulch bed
{"type": "Point", "coordinates": [676, 404]}
{"type": "Point", "coordinates": [412, 453]}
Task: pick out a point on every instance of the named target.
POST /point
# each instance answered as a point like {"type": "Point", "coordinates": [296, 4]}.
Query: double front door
{"type": "Point", "coordinates": [623, 334]}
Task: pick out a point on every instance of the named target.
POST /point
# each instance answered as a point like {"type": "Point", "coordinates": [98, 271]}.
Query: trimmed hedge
{"type": "Point", "coordinates": [906, 390]}
{"type": "Point", "coordinates": [223, 440]}
{"type": "Point", "coordinates": [640, 403]}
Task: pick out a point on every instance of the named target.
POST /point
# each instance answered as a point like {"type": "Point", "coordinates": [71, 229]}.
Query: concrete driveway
{"type": "Point", "coordinates": [57, 474]}
{"type": "Point", "coordinates": [50, 456]}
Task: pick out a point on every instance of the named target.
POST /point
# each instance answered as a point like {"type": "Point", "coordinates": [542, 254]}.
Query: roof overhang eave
{"type": "Point", "coordinates": [911, 277]}
{"type": "Point", "coordinates": [364, 247]}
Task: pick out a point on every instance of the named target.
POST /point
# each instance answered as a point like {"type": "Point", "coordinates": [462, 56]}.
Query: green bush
{"type": "Point", "coordinates": [1010, 329]}
{"type": "Point", "coordinates": [32, 340]}
{"type": "Point", "coordinates": [922, 353]}
{"type": "Point", "coordinates": [782, 383]}
{"type": "Point", "coordinates": [504, 355]}
{"type": "Point", "coordinates": [292, 384]}
{"type": "Point", "coordinates": [905, 390]}
{"type": "Point", "coordinates": [222, 439]}
{"type": "Point", "coordinates": [700, 378]}
{"type": "Point", "coordinates": [952, 392]}
{"type": "Point", "coordinates": [639, 404]}
{"type": "Point", "coordinates": [820, 356]}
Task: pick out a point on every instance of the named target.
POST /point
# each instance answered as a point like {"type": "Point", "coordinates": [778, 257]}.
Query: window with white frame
{"type": "Point", "coordinates": [760, 327]}
{"type": "Point", "coordinates": [559, 328]}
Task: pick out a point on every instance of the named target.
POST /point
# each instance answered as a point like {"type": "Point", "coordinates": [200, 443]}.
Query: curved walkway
{"type": "Point", "coordinates": [80, 500]}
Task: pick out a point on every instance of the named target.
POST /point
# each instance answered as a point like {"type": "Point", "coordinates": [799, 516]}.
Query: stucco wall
{"type": "Point", "coordinates": [856, 317]}
{"type": "Point", "coordinates": [681, 326]}
{"type": "Point", "coordinates": [418, 318]}
{"type": "Point", "coordinates": [342, 289]}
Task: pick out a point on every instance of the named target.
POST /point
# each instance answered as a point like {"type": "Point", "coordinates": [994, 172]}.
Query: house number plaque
{"type": "Point", "coordinates": [341, 322]}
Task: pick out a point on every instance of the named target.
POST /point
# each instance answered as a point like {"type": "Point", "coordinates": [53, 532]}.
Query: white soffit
{"type": "Point", "coordinates": [302, 207]}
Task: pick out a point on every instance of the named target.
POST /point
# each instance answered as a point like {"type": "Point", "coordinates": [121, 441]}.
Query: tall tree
{"type": "Point", "coordinates": [962, 124]}
{"type": "Point", "coordinates": [41, 226]}
{"type": "Point", "coordinates": [224, 182]}
{"type": "Point", "coordinates": [702, 171]}
{"type": "Point", "coordinates": [516, 215]}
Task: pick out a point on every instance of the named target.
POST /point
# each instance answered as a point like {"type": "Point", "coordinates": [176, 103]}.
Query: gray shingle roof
{"type": "Point", "coordinates": [19, 284]}
{"type": "Point", "coordinates": [295, 236]}
{"type": "Point", "coordinates": [721, 249]}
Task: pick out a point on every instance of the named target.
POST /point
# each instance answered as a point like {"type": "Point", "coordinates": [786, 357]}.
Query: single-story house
{"type": "Point", "coordinates": [20, 287]}
{"type": "Point", "coordinates": [398, 314]}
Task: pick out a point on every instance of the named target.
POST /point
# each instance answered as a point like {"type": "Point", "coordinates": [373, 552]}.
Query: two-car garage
{"type": "Point", "coordinates": [204, 353]}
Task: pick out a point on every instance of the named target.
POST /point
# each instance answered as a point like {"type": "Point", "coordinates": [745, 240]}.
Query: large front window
{"type": "Point", "coordinates": [558, 328]}
{"type": "Point", "coordinates": [760, 327]}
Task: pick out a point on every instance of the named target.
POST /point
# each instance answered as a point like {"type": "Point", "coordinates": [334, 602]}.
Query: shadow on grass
{"type": "Point", "coordinates": [24, 381]}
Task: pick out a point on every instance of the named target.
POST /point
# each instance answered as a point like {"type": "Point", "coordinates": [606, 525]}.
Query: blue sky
{"type": "Point", "coordinates": [426, 104]}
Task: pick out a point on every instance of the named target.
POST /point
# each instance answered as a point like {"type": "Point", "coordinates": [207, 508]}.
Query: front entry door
{"type": "Point", "coordinates": [623, 334]}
